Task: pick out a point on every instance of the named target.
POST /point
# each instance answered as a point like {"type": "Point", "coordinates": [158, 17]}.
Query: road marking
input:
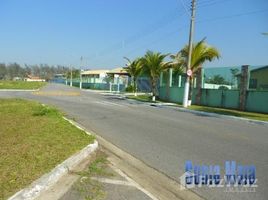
{"type": "Point", "coordinates": [107, 103]}
{"type": "Point", "coordinates": [112, 181]}
{"type": "Point", "coordinates": [132, 182]}
{"type": "Point", "coordinates": [56, 93]}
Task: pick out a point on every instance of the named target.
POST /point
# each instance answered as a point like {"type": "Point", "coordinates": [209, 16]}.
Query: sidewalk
{"type": "Point", "coordinates": [100, 180]}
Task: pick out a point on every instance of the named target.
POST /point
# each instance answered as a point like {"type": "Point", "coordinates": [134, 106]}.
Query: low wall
{"type": "Point", "coordinates": [256, 101]}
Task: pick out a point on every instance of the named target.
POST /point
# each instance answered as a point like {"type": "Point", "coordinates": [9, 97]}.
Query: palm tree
{"type": "Point", "coordinates": [134, 69]}
{"type": "Point", "coordinates": [201, 53]}
{"type": "Point", "coordinates": [178, 63]}
{"type": "Point", "coordinates": [153, 64]}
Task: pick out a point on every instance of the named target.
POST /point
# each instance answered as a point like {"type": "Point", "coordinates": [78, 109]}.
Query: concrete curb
{"type": "Point", "coordinates": [17, 90]}
{"type": "Point", "coordinates": [49, 179]}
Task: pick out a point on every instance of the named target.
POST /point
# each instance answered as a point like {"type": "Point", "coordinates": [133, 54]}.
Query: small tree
{"type": "Point", "coordinates": [152, 65]}
{"type": "Point", "coordinates": [134, 69]}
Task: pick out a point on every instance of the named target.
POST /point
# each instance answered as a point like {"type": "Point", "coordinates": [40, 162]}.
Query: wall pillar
{"type": "Point", "coordinates": [170, 77]}
{"type": "Point", "coordinates": [243, 87]}
{"type": "Point", "coordinates": [179, 82]}
{"type": "Point", "coordinates": [161, 79]}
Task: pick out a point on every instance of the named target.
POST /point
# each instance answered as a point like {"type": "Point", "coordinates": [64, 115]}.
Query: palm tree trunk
{"type": "Point", "coordinates": [153, 89]}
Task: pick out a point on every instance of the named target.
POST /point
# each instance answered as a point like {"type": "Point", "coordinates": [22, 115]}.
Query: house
{"type": "Point", "coordinates": [120, 76]}
{"type": "Point", "coordinates": [34, 79]}
{"type": "Point", "coordinates": [259, 78]}
{"type": "Point", "coordinates": [95, 76]}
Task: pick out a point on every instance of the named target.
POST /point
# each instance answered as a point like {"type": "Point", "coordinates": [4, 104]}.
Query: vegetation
{"type": "Point", "coordinates": [74, 73]}
{"type": "Point", "coordinates": [21, 85]}
{"type": "Point", "coordinates": [44, 71]}
{"type": "Point", "coordinates": [201, 53]}
{"type": "Point", "coordinates": [34, 139]}
{"type": "Point", "coordinates": [237, 113]}
{"type": "Point", "coordinates": [152, 65]}
{"type": "Point", "coordinates": [134, 69]}
{"type": "Point", "coordinates": [143, 98]}
{"type": "Point", "coordinates": [217, 79]}
{"type": "Point", "coordinates": [89, 188]}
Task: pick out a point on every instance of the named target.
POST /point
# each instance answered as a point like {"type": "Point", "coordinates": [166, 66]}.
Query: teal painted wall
{"type": "Point", "coordinates": [257, 101]}
{"type": "Point", "coordinates": [175, 94]}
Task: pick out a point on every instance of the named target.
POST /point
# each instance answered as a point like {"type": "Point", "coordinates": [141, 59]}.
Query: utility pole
{"type": "Point", "coordinates": [187, 83]}
{"type": "Point", "coordinates": [81, 60]}
{"type": "Point", "coordinates": [71, 81]}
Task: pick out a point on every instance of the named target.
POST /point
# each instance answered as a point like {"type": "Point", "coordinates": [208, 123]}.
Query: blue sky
{"type": "Point", "coordinates": [104, 31]}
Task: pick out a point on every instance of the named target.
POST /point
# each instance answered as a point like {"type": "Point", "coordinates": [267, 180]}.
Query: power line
{"type": "Point", "coordinates": [233, 16]}
{"type": "Point", "coordinates": [185, 8]}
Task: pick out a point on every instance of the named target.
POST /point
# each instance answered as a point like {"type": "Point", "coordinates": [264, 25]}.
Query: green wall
{"type": "Point", "coordinates": [257, 101]}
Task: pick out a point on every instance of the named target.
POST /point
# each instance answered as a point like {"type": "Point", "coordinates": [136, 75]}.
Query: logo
{"type": "Point", "coordinates": [236, 178]}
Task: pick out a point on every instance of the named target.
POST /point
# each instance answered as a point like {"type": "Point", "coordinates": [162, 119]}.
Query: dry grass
{"type": "Point", "coordinates": [23, 85]}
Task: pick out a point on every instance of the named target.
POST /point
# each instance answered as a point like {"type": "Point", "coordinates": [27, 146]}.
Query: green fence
{"type": "Point", "coordinates": [256, 101]}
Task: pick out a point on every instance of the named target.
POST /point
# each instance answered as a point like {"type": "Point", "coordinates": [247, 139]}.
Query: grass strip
{"type": "Point", "coordinates": [34, 139]}
{"type": "Point", "coordinates": [21, 85]}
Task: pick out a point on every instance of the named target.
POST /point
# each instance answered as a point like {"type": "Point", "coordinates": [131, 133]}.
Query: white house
{"type": "Point", "coordinates": [94, 76]}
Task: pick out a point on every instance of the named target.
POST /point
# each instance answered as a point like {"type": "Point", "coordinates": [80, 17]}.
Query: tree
{"type": "Point", "coordinates": [217, 79]}
{"type": "Point", "coordinates": [3, 71]}
{"type": "Point", "coordinates": [201, 53]}
{"type": "Point", "coordinates": [152, 65]}
{"type": "Point", "coordinates": [134, 69]}
{"type": "Point", "coordinates": [178, 63]}
{"type": "Point", "coordinates": [234, 72]}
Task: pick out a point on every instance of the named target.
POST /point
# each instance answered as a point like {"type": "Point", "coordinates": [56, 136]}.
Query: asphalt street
{"type": "Point", "coordinates": [164, 137]}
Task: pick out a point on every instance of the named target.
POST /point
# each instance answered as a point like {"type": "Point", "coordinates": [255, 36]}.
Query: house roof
{"type": "Point", "coordinates": [33, 77]}
{"type": "Point", "coordinates": [255, 70]}
{"type": "Point", "coordinates": [261, 68]}
{"type": "Point", "coordinates": [95, 72]}
{"type": "Point", "coordinates": [119, 71]}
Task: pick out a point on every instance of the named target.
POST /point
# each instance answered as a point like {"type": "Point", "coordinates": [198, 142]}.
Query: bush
{"type": "Point", "coordinates": [223, 88]}
{"type": "Point", "coordinates": [129, 88]}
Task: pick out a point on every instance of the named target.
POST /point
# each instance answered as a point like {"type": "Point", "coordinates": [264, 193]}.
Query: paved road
{"type": "Point", "coordinates": [165, 137]}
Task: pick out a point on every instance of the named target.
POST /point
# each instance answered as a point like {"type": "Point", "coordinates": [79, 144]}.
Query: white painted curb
{"type": "Point", "coordinates": [49, 179]}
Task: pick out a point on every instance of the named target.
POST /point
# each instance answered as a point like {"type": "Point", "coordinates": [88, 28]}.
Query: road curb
{"type": "Point", "coordinates": [49, 179]}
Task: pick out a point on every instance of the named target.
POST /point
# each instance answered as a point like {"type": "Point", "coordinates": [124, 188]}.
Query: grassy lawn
{"type": "Point", "coordinates": [237, 113]}
{"type": "Point", "coordinates": [21, 85]}
{"type": "Point", "coordinates": [34, 139]}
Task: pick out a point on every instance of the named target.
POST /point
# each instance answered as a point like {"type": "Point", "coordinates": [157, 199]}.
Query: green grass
{"type": "Point", "coordinates": [21, 85]}
{"type": "Point", "coordinates": [143, 98]}
{"type": "Point", "coordinates": [223, 111]}
{"type": "Point", "coordinates": [34, 139]}
{"type": "Point", "coordinates": [237, 113]}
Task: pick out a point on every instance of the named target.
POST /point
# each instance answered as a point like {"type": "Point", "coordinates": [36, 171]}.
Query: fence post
{"type": "Point", "coordinates": [243, 87]}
